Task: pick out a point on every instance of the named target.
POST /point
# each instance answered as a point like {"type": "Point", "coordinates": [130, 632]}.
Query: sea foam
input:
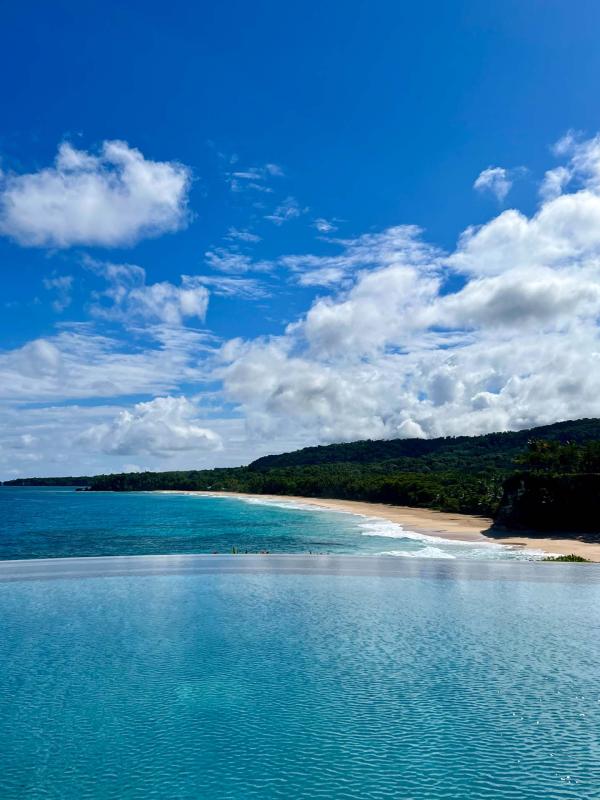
{"type": "Point", "coordinates": [431, 546]}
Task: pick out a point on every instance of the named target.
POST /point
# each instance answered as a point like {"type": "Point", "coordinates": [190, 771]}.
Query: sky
{"type": "Point", "coordinates": [230, 229]}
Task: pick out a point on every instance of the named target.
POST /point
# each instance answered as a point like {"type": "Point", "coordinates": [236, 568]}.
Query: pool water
{"type": "Point", "coordinates": [299, 677]}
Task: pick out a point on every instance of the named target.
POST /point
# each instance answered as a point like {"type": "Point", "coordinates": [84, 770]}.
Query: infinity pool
{"type": "Point", "coordinates": [298, 677]}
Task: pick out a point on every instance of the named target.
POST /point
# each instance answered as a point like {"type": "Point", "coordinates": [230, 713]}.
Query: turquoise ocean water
{"type": "Point", "coordinates": [228, 677]}
{"type": "Point", "coordinates": [59, 522]}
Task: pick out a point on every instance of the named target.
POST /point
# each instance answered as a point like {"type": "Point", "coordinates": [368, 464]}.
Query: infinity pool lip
{"type": "Point", "coordinates": [295, 564]}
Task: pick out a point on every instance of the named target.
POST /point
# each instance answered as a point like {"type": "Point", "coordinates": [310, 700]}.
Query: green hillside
{"type": "Point", "coordinates": [473, 453]}
{"type": "Point", "coordinates": [79, 480]}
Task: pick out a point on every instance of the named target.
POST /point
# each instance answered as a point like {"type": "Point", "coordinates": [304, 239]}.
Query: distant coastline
{"type": "Point", "coordinates": [440, 524]}
{"type": "Point", "coordinates": [534, 489]}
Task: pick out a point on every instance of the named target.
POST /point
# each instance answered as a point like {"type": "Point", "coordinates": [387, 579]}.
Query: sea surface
{"type": "Point", "coordinates": [48, 522]}
{"type": "Point", "coordinates": [259, 677]}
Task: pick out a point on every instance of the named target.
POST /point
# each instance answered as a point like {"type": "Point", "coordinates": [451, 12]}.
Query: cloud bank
{"type": "Point", "coordinates": [401, 339]}
{"type": "Point", "coordinates": [161, 427]}
{"type": "Point", "coordinates": [500, 334]}
{"type": "Point", "coordinates": [111, 199]}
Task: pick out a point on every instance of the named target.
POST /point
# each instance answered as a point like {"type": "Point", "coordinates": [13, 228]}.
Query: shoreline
{"type": "Point", "coordinates": [441, 524]}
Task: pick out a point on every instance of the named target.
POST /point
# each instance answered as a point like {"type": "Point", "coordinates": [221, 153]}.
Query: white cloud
{"type": "Point", "coordinates": [274, 170]}
{"type": "Point", "coordinates": [161, 427]}
{"type": "Point", "coordinates": [81, 364]}
{"type": "Point", "coordinates": [382, 308]}
{"type": "Point", "coordinates": [554, 182]}
{"type": "Point", "coordinates": [131, 299]}
{"type": "Point", "coordinates": [111, 199]}
{"type": "Point", "coordinates": [410, 430]}
{"type": "Point", "coordinates": [397, 245]}
{"type": "Point", "coordinates": [23, 441]}
{"type": "Point", "coordinates": [400, 244]}
{"type": "Point", "coordinates": [564, 231]}
{"type": "Point", "coordinates": [584, 163]}
{"type": "Point", "coordinates": [495, 180]}
{"type": "Point", "coordinates": [324, 225]}
{"type": "Point", "coordinates": [500, 334]}
{"type": "Point", "coordinates": [232, 260]}
{"type": "Point", "coordinates": [483, 384]}
{"type": "Point", "coordinates": [277, 390]}
{"type": "Point", "coordinates": [254, 178]}
{"type": "Point", "coordinates": [285, 211]}
{"type": "Point", "coordinates": [225, 286]}
{"type": "Point", "coordinates": [168, 303]}
{"type": "Point", "coordinates": [50, 440]}
{"type": "Point", "coordinates": [397, 350]}
{"type": "Point", "coordinates": [228, 260]}
{"type": "Point", "coordinates": [321, 276]}
{"type": "Point", "coordinates": [242, 235]}
{"type": "Point", "coordinates": [61, 285]}
{"type": "Point", "coordinates": [522, 298]}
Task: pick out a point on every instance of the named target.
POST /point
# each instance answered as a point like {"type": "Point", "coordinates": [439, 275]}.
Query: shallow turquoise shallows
{"type": "Point", "coordinates": [58, 522]}
{"type": "Point", "coordinates": [299, 677]}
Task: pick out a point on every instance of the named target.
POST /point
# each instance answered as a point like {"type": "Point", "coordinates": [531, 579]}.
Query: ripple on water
{"type": "Point", "coordinates": [299, 686]}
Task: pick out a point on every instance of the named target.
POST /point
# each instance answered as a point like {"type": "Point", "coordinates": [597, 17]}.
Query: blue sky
{"type": "Point", "coordinates": [275, 155]}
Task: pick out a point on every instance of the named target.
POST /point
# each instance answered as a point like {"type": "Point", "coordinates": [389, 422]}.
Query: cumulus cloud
{"type": "Point", "coordinates": [50, 440]}
{"type": "Point", "coordinates": [482, 384]}
{"type": "Point", "coordinates": [522, 298]}
{"type": "Point", "coordinates": [275, 387]}
{"type": "Point", "coordinates": [163, 426]}
{"type": "Point", "coordinates": [495, 180]}
{"type": "Point", "coordinates": [131, 299]}
{"type": "Point", "coordinates": [110, 199]}
{"type": "Point", "coordinates": [383, 307]}
{"type": "Point", "coordinates": [404, 340]}
{"type": "Point", "coordinates": [565, 230]}
{"type": "Point", "coordinates": [396, 349]}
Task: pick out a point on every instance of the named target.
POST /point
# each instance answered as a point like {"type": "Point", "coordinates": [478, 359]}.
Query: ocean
{"type": "Point", "coordinates": [49, 522]}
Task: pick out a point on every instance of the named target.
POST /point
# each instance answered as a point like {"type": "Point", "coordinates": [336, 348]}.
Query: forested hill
{"type": "Point", "coordinates": [475, 453]}
{"type": "Point", "coordinates": [78, 480]}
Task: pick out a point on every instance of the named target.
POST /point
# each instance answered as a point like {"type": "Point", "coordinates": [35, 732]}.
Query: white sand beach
{"type": "Point", "coordinates": [457, 527]}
